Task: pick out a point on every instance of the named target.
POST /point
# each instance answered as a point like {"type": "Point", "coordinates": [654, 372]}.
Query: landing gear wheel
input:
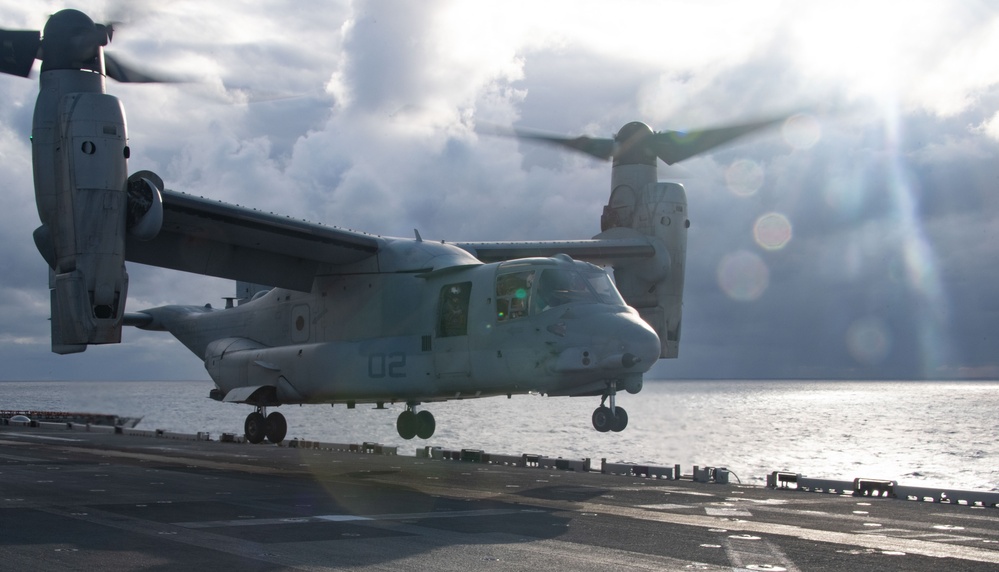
{"type": "Point", "coordinates": [620, 420]}
{"type": "Point", "coordinates": [425, 424]}
{"type": "Point", "coordinates": [602, 419]}
{"type": "Point", "coordinates": [407, 424]}
{"type": "Point", "coordinates": [255, 427]}
{"type": "Point", "coordinates": [275, 427]}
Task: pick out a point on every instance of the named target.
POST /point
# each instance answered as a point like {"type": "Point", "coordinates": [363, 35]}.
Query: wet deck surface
{"type": "Point", "coordinates": [72, 500]}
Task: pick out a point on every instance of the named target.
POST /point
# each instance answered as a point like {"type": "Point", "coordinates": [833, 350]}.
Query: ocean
{"type": "Point", "coordinates": [938, 434]}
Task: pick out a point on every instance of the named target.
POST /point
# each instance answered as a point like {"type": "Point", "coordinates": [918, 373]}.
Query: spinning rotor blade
{"type": "Point", "coordinates": [120, 72]}
{"type": "Point", "coordinates": [599, 148]}
{"type": "Point", "coordinates": [18, 50]}
{"type": "Point", "coordinates": [637, 143]}
{"type": "Point", "coordinates": [673, 146]}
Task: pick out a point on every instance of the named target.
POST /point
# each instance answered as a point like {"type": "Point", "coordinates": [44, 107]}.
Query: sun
{"type": "Point", "coordinates": [859, 45]}
{"type": "Point", "coordinates": [887, 52]}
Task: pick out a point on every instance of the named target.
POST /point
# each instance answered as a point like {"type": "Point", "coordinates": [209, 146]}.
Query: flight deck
{"type": "Point", "coordinates": [78, 497]}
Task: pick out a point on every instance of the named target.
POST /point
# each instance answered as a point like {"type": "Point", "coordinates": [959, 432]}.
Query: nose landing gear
{"type": "Point", "coordinates": [412, 424]}
{"type": "Point", "coordinates": [257, 427]}
{"type": "Point", "coordinates": [611, 418]}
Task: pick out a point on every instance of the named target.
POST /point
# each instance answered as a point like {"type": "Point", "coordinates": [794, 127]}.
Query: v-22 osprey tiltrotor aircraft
{"type": "Point", "coordinates": [347, 317]}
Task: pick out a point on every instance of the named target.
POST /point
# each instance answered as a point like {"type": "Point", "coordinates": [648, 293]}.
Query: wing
{"type": "Point", "coordinates": [616, 248]}
{"type": "Point", "coordinates": [228, 241]}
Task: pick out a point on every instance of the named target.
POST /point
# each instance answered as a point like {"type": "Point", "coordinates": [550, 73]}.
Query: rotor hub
{"type": "Point", "coordinates": [71, 40]}
{"type": "Point", "coordinates": [633, 144]}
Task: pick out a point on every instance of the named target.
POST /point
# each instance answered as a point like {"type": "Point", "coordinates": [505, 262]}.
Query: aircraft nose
{"type": "Point", "coordinates": [609, 343]}
{"type": "Point", "coordinates": [639, 345]}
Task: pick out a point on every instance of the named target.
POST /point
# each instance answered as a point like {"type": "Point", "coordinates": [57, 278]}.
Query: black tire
{"type": "Point", "coordinates": [602, 419]}
{"type": "Point", "coordinates": [620, 420]}
{"type": "Point", "coordinates": [255, 427]}
{"type": "Point", "coordinates": [407, 424]}
{"type": "Point", "coordinates": [275, 427]}
{"type": "Point", "coordinates": [425, 425]}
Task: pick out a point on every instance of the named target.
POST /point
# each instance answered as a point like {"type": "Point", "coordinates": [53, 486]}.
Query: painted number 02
{"type": "Point", "coordinates": [387, 365]}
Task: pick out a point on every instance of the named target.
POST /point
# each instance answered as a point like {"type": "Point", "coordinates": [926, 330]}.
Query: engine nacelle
{"type": "Point", "coordinates": [658, 211]}
{"type": "Point", "coordinates": [79, 144]}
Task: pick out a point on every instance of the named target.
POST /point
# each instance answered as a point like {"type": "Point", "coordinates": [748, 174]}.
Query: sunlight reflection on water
{"type": "Point", "coordinates": [921, 433]}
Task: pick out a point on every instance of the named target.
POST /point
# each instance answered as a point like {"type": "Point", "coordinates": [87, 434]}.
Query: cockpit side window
{"type": "Point", "coordinates": [513, 295]}
{"type": "Point", "coordinates": [454, 310]}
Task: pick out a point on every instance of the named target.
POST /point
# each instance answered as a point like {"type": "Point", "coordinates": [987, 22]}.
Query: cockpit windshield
{"type": "Point", "coordinates": [530, 292]}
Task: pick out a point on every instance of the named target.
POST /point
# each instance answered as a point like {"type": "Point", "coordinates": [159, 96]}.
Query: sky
{"type": "Point", "coordinates": [859, 240]}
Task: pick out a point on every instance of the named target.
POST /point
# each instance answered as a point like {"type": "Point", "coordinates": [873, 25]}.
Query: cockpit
{"type": "Point", "coordinates": [531, 286]}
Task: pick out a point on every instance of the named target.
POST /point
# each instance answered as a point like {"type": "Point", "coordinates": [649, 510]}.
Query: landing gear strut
{"type": "Point", "coordinates": [412, 424]}
{"type": "Point", "coordinates": [260, 426]}
{"type": "Point", "coordinates": [611, 418]}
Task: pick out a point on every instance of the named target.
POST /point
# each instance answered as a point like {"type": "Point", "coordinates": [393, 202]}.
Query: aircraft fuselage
{"type": "Point", "coordinates": [547, 325]}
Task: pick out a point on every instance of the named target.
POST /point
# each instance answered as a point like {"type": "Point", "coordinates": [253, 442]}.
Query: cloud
{"type": "Point", "coordinates": [991, 126]}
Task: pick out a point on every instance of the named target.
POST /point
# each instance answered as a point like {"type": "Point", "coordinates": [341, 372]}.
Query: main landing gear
{"type": "Point", "coordinates": [412, 424]}
{"type": "Point", "coordinates": [260, 426]}
{"type": "Point", "coordinates": [611, 418]}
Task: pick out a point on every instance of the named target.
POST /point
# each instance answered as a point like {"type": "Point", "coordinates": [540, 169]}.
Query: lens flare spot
{"type": "Point", "coordinates": [801, 131]}
{"type": "Point", "coordinates": [743, 276]}
{"type": "Point", "coordinates": [844, 193]}
{"type": "Point", "coordinates": [744, 177]}
{"type": "Point", "coordinates": [772, 231]}
{"type": "Point", "coordinates": [868, 340]}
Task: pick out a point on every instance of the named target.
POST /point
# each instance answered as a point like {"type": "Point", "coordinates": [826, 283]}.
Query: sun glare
{"type": "Point", "coordinates": [918, 54]}
{"type": "Point", "coordinates": [859, 44]}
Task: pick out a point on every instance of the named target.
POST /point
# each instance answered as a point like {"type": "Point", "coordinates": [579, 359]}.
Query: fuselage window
{"type": "Point", "coordinates": [513, 295]}
{"type": "Point", "coordinates": [454, 310]}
